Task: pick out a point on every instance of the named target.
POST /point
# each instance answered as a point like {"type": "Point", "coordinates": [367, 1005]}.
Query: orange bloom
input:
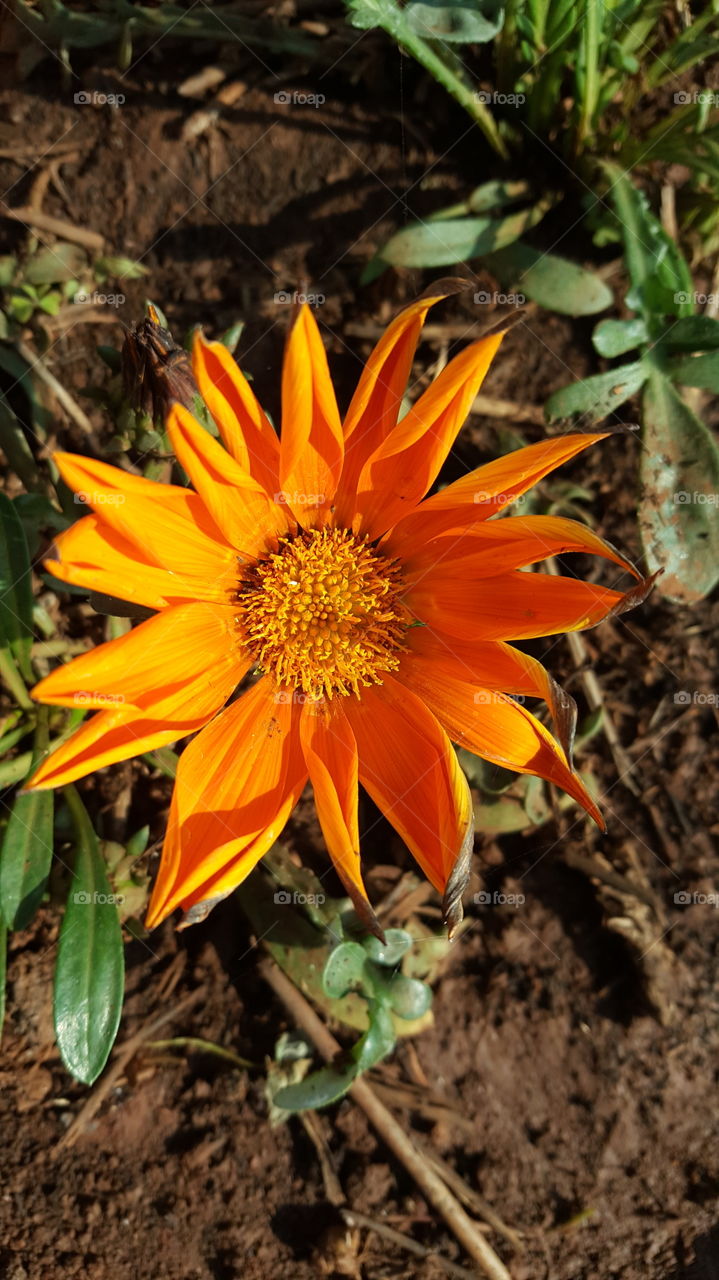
{"type": "Point", "coordinates": [375, 624]}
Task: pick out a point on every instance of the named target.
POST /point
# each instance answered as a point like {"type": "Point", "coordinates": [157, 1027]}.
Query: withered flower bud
{"type": "Point", "coordinates": [155, 371]}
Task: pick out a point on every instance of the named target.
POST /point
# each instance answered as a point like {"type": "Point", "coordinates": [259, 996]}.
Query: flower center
{"type": "Point", "coordinates": [323, 613]}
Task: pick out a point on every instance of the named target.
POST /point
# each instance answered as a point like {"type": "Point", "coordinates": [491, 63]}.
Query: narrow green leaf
{"type": "Point", "coordinates": [553, 282]}
{"type": "Point", "coordinates": [89, 974]}
{"type": "Point", "coordinates": [15, 588]}
{"type": "Point", "coordinates": [27, 844]}
{"type": "Point", "coordinates": [598, 396]}
{"type": "Point", "coordinates": [378, 1040]}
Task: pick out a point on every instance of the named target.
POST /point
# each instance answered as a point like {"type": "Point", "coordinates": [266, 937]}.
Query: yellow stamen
{"type": "Point", "coordinates": [323, 613]}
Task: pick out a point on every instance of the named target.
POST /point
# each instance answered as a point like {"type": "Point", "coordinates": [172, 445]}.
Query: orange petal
{"type": "Point", "coordinates": [492, 726]}
{"type": "Point", "coordinates": [312, 447]}
{"type": "Point", "coordinates": [93, 555]}
{"type": "Point", "coordinates": [408, 766]}
{"type": "Point", "coordinates": [237, 782]}
{"type": "Point", "coordinates": [486, 490]}
{"type": "Point", "coordinates": [102, 740]}
{"type": "Point", "coordinates": [376, 403]}
{"type": "Point", "coordinates": [189, 652]}
{"type": "Point", "coordinates": [494, 546]}
{"type": "Point", "coordinates": [401, 470]}
{"type": "Point", "coordinates": [170, 526]}
{"type": "Point", "coordinates": [248, 518]}
{"type": "Point", "coordinates": [245, 429]}
{"type": "Point", "coordinates": [330, 753]}
{"type": "Point", "coordinates": [516, 606]}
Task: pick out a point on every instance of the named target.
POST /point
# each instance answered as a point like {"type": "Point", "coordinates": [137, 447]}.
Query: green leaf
{"type": "Point", "coordinates": [409, 998]}
{"type": "Point", "coordinates": [680, 494]}
{"type": "Point", "coordinates": [319, 1089]}
{"type": "Point", "coordinates": [446, 241]}
{"type": "Point", "coordinates": [596, 397]}
{"type": "Point", "coordinates": [344, 969]}
{"type": "Point", "coordinates": [692, 333]}
{"type": "Point", "coordinates": [15, 588]}
{"type": "Point", "coordinates": [52, 266]}
{"type": "Point", "coordinates": [660, 277]}
{"type": "Point", "coordinates": [119, 268]}
{"type": "Point", "coordinates": [27, 845]}
{"type": "Point", "coordinates": [89, 973]}
{"type": "Point", "coordinates": [696, 371]}
{"type": "Point", "coordinates": [553, 282]}
{"type": "Point", "coordinates": [616, 337]}
{"type": "Point", "coordinates": [8, 267]}
{"type": "Point", "coordinates": [378, 1040]}
{"type": "Point", "coordinates": [389, 953]}
{"type": "Point", "coordinates": [455, 21]}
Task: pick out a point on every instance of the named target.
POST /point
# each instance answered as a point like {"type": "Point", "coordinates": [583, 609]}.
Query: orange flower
{"type": "Point", "coordinates": [376, 624]}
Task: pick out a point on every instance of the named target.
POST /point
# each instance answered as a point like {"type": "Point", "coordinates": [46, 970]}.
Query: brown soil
{"type": "Point", "coordinates": [578, 1034]}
